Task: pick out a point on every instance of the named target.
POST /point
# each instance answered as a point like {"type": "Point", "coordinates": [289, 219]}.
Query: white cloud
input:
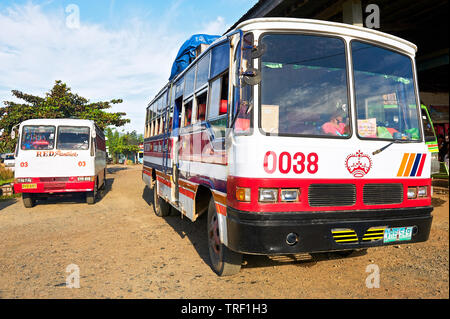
{"type": "Point", "coordinates": [217, 26]}
{"type": "Point", "coordinates": [132, 62]}
{"type": "Point", "coordinates": [37, 48]}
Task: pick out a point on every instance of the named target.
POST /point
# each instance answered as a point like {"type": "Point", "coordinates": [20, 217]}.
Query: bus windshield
{"type": "Point", "coordinates": [303, 86]}
{"type": "Point", "coordinates": [385, 93]}
{"type": "Point", "coordinates": [38, 138]}
{"type": "Point", "coordinates": [73, 138]}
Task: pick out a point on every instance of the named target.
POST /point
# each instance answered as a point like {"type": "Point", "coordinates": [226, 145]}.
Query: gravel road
{"type": "Point", "coordinates": [122, 250]}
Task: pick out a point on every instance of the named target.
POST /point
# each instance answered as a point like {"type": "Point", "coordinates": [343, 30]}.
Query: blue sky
{"type": "Point", "coordinates": [116, 49]}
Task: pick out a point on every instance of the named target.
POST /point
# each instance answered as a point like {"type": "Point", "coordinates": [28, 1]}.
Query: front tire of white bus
{"type": "Point", "coordinates": [91, 196]}
{"type": "Point", "coordinates": [160, 206]}
{"type": "Point", "coordinates": [28, 200]}
{"type": "Point", "coordinates": [224, 261]}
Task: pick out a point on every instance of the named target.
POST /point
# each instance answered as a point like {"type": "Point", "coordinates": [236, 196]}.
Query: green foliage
{"type": "Point", "coordinates": [126, 143]}
{"type": "Point", "coordinates": [6, 175]}
{"type": "Point", "coordinates": [60, 102]}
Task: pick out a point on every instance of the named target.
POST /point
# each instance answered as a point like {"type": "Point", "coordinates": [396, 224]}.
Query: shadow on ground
{"type": "Point", "coordinates": [75, 198]}
{"type": "Point", "coordinates": [8, 202]}
{"type": "Point", "coordinates": [196, 233]}
{"type": "Point", "coordinates": [114, 169]}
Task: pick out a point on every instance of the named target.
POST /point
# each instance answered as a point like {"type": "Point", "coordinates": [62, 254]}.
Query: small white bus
{"type": "Point", "coordinates": [56, 156]}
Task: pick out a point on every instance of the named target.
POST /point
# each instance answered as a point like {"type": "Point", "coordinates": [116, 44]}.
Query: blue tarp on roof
{"type": "Point", "coordinates": [187, 52]}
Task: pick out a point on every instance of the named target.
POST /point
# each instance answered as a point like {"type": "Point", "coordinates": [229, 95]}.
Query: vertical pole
{"type": "Point", "coordinates": [352, 12]}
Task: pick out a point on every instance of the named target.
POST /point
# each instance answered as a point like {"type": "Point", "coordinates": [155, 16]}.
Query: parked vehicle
{"type": "Point", "coordinates": [56, 156]}
{"type": "Point", "coordinates": [9, 161]}
{"type": "Point", "coordinates": [430, 140]}
{"type": "Point", "coordinates": [293, 136]}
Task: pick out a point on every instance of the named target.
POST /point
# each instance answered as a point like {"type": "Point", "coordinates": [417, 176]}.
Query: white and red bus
{"type": "Point", "coordinates": [58, 156]}
{"type": "Point", "coordinates": [293, 136]}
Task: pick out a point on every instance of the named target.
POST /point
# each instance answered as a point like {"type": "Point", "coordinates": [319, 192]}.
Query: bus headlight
{"type": "Point", "coordinates": [289, 195]}
{"type": "Point", "coordinates": [412, 192]}
{"type": "Point", "coordinates": [422, 191]}
{"type": "Point", "coordinates": [268, 195]}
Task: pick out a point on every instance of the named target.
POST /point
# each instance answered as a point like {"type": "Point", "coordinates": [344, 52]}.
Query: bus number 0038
{"type": "Point", "coordinates": [285, 163]}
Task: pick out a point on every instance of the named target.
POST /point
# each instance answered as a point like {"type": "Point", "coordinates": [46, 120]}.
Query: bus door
{"type": "Point", "coordinates": [165, 142]}
{"type": "Point", "coordinates": [175, 136]}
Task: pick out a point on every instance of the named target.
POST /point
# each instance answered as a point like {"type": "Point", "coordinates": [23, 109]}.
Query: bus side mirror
{"type": "Point", "coordinates": [94, 134]}
{"type": "Point", "coordinates": [13, 134]}
{"type": "Point", "coordinates": [251, 76]}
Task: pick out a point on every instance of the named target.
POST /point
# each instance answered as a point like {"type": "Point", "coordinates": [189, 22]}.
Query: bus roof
{"type": "Point", "coordinates": [328, 27]}
{"type": "Point", "coordinates": [68, 122]}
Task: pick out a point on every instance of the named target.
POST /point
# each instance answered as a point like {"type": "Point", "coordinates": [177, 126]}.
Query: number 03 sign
{"type": "Point", "coordinates": [285, 163]}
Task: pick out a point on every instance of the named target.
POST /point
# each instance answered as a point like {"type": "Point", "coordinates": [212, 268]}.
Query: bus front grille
{"type": "Point", "coordinates": [327, 195]}
{"type": "Point", "coordinates": [381, 194]}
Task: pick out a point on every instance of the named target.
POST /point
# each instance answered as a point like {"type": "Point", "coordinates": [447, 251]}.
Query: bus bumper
{"type": "Point", "coordinates": [54, 187]}
{"type": "Point", "coordinates": [269, 233]}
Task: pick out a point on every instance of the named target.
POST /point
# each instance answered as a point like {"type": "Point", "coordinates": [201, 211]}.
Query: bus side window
{"type": "Point", "coordinates": [201, 104]}
{"type": "Point", "coordinates": [218, 97]}
{"type": "Point", "coordinates": [188, 113]}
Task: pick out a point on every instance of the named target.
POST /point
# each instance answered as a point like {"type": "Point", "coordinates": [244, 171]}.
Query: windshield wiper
{"type": "Point", "coordinates": [386, 146]}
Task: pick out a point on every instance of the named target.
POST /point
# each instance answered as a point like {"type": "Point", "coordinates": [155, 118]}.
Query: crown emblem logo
{"type": "Point", "coordinates": [358, 164]}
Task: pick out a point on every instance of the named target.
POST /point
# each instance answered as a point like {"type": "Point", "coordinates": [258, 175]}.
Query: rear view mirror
{"type": "Point", "coordinates": [251, 76]}
{"type": "Point", "coordinates": [13, 134]}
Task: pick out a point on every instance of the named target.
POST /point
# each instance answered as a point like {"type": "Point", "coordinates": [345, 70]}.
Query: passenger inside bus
{"type": "Point", "coordinates": [336, 126]}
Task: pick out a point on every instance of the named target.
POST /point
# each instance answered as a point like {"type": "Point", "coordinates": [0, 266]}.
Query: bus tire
{"type": "Point", "coordinates": [160, 206]}
{"type": "Point", "coordinates": [90, 198]}
{"type": "Point", "coordinates": [28, 200]}
{"type": "Point", "coordinates": [224, 261]}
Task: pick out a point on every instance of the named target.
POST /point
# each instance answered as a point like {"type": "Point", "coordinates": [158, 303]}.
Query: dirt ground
{"type": "Point", "coordinates": [122, 250]}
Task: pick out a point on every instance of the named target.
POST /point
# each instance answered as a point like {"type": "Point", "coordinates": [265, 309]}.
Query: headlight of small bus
{"type": "Point", "coordinates": [422, 191]}
{"type": "Point", "coordinates": [268, 195]}
{"type": "Point", "coordinates": [412, 192]}
{"type": "Point", "coordinates": [289, 195]}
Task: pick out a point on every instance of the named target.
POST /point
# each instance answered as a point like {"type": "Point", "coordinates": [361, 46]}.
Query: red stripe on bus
{"type": "Point", "coordinates": [303, 184]}
{"type": "Point", "coordinates": [187, 192]}
{"type": "Point", "coordinates": [422, 162]}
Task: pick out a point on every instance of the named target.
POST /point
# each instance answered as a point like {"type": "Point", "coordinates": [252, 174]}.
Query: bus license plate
{"type": "Point", "coordinates": [397, 234]}
{"type": "Point", "coordinates": [29, 186]}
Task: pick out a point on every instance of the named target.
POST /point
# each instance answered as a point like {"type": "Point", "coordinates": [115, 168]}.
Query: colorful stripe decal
{"type": "Point", "coordinates": [422, 162]}
{"type": "Point", "coordinates": [411, 165]}
{"type": "Point", "coordinates": [402, 165]}
{"type": "Point", "coordinates": [416, 165]}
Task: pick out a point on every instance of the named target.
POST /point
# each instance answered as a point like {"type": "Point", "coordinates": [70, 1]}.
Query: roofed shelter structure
{"type": "Point", "coordinates": [422, 22]}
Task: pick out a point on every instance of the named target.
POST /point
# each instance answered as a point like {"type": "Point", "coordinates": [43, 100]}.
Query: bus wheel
{"type": "Point", "coordinates": [28, 200]}
{"type": "Point", "coordinates": [160, 206]}
{"type": "Point", "coordinates": [90, 196]}
{"type": "Point", "coordinates": [224, 261]}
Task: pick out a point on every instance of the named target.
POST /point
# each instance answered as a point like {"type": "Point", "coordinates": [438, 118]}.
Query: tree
{"type": "Point", "coordinates": [60, 102]}
{"type": "Point", "coordinates": [127, 143]}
